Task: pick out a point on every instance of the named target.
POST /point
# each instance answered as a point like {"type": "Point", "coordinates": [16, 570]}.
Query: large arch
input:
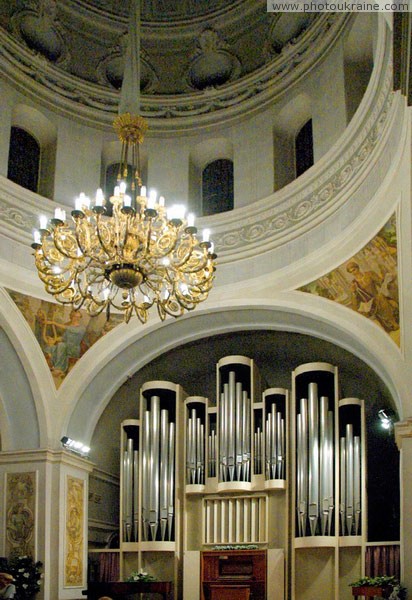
{"type": "Point", "coordinates": [95, 379]}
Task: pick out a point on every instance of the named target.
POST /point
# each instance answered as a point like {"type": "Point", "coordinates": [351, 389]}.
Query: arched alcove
{"type": "Point", "coordinates": [276, 355]}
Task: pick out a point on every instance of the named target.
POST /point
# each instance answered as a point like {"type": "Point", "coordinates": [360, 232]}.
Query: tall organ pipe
{"type": "Point", "coordinates": [171, 481]}
{"type": "Point", "coordinates": [314, 464]}
{"type": "Point", "coordinates": [135, 495]}
{"type": "Point", "coordinates": [164, 455]}
{"type": "Point", "coordinates": [349, 478]}
{"type": "Point", "coordinates": [313, 428]}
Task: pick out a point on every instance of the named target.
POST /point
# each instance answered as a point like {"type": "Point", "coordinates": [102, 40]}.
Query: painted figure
{"type": "Point", "coordinates": [371, 296]}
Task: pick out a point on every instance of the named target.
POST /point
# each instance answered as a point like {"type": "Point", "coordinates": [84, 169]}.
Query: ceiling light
{"type": "Point", "coordinates": [141, 255]}
{"type": "Point", "coordinates": [74, 446]}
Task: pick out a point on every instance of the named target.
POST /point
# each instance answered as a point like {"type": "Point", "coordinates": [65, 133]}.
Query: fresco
{"type": "Point", "coordinates": [74, 533]}
{"type": "Point", "coordinates": [20, 511]}
{"type": "Point", "coordinates": [368, 282]}
{"type": "Point", "coordinates": [63, 334]}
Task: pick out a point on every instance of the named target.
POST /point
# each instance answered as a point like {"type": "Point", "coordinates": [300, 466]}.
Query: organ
{"type": "Point", "coordinates": [238, 477]}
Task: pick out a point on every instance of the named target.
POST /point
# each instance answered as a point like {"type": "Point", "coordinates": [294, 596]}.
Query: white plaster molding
{"type": "Point", "coordinates": [105, 476]}
{"type": "Point", "coordinates": [403, 429]}
{"type": "Point", "coordinates": [346, 177]}
{"type": "Point", "coordinates": [96, 105]}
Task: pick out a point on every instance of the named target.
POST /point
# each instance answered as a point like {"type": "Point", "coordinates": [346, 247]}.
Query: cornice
{"type": "Point", "coordinates": [96, 105]}
{"type": "Point", "coordinates": [45, 455]}
{"type": "Point", "coordinates": [403, 429]}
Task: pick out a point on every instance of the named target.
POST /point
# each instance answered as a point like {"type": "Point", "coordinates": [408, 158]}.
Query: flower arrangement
{"type": "Point", "coordinates": [140, 576]}
{"type": "Point", "coordinates": [27, 575]}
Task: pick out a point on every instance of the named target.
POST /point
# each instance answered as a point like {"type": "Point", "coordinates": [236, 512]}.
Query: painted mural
{"type": "Point", "coordinates": [368, 282]}
{"type": "Point", "coordinates": [73, 567]}
{"type": "Point", "coordinates": [20, 511]}
{"type": "Point", "coordinates": [64, 334]}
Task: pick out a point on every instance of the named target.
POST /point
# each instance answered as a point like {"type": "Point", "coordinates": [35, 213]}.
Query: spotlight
{"type": "Point", "coordinates": [385, 419]}
{"type": "Point", "coordinates": [76, 447]}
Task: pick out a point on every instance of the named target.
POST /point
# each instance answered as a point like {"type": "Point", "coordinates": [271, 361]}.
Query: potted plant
{"type": "Point", "coordinates": [383, 586]}
{"type": "Point", "coordinates": [27, 576]}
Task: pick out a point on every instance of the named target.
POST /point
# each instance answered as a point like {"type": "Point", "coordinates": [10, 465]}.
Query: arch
{"type": "Point", "coordinates": [290, 120]}
{"type": "Point", "coordinates": [24, 395]}
{"type": "Point", "coordinates": [33, 122]}
{"type": "Point", "coordinates": [116, 359]}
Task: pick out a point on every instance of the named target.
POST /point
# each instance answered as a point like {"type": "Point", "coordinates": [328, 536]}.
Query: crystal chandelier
{"type": "Point", "coordinates": [139, 256]}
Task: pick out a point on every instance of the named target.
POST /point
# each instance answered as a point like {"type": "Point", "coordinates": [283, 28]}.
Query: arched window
{"type": "Point", "coordinates": [304, 148]}
{"type": "Point", "coordinates": [217, 187]}
{"type": "Point", "coordinates": [24, 159]}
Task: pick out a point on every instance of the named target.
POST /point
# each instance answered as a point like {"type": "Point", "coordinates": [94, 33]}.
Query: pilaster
{"type": "Point", "coordinates": [44, 509]}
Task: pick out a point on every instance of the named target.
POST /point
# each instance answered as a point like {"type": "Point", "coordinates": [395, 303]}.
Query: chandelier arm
{"type": "Point", "coordinates": [100, 238]}
{"type": "Point", "coordinates": [57, 242]}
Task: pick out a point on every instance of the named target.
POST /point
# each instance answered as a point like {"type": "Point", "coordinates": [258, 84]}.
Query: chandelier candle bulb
{"type": "Point", "coordinates": [122, 188]}
{"type": "Point", "coordinates": [161, 201]}
{"type": "Point", "coordinates": [143, 191]}
{"type": "Point", "coordinates": [43, 222]}
{"type": "Point", "coordinates": [36, 238]}
{"type": "Point", "coordinates": [99, 198]}
{"type": "Point", "coordinates": [151, 201]}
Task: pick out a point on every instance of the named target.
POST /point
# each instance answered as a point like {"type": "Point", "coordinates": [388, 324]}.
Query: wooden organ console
{"type": "Point", "coordinates": [233, 575]}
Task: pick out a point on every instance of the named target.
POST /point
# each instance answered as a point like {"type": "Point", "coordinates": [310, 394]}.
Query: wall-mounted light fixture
{"type": "Point", "coordinates": [385, 419]}
{"type": "Point", "coordinates": [74, 446]}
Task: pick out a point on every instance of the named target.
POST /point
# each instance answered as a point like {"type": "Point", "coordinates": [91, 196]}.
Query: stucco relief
{"type": "Point", "coordinates": [38, 26]}
{"type": "Point", "coordinates": [73, 559]}
{"type": "Point", "coordinates": [21, 513]}
{"type": "Point", "coordinates": [368, 282]}
{"type": "Point", "coordinates": [63, 334]}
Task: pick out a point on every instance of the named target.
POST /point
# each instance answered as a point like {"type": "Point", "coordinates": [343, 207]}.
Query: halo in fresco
{"type": "Point", "coordinates": [368, 282]}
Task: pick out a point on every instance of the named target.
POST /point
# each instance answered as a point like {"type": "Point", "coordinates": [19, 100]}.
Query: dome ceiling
{"type": "Point", "coordinates": [77, 48]}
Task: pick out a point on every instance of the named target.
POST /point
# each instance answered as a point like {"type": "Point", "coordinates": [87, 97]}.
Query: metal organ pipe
{"type": "Point", "coordinates": [314, 465]}
{"type": "Point", "coordinates": [130, 491]}
{"type": "Point", "coordinates": [350, 482]}
{"type": "Point", "coordinates": [234, 431]}
{"type": "Point", "coordinates": [313, 439]}
{"type": "Point", "coordinates": [157, 473]}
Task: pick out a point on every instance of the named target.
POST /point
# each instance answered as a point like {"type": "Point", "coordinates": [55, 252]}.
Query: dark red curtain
{"type": "Point", "coordinates": [382, 560]}
{"type": "Point", "coordinates": [109, 566]}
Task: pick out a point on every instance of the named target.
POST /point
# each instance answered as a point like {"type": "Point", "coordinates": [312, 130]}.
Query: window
{"type": "Point", "coordinates": [24, 159]}
{"type": "Point", "coordinates": [217, 187]}
{"type": "Point", "coordinates": [304, 148]}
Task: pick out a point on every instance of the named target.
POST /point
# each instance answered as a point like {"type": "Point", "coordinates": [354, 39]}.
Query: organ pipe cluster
{"type": "Point", "coordinates": [350, 482]}
{"type": "Point", "coordinates": [234, 431]}
{"type": "Point", "coordinates": [130, 479]}
{"type": "Point", "coordinates": [275, 445]}
{"type": "Point", "coordinates": [158, 473]}
{"type": "Point", "coordinates": [195, 450]}
{"type": "Point", "coordinates": [314, 465]}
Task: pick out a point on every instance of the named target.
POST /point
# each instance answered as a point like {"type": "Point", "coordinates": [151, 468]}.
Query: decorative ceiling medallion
{"type": "Point", "coordinates": [212, 64]}
{"type": "Point", "coordinates": [39, 28]}
{"type": "Point", "coordinates": [285, 30]}
{"type": "Point", "coordinates": [111, 68]}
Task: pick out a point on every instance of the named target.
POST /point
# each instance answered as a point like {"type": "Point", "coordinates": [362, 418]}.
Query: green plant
{"type": "Point", "coordinates": [140, 576]}
{"type": "Point", "coordinates": [27, 575]}
{"type": "Point", "coordinates": [398, 591]}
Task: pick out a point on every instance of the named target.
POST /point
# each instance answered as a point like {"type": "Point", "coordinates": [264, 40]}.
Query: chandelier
{"type": "Point", "coordinates": [140, 255]}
